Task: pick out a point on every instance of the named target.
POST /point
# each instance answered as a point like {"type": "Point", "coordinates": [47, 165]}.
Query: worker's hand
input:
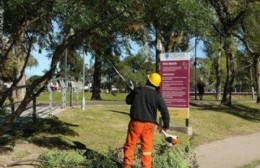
{"type": "Point", "coordinates": [160, 128]}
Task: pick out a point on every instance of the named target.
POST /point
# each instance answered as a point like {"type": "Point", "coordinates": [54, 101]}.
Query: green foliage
{"type": "Point", "coordinates": [207, 70]}
{"type": "Point", "coordinates": [62, 158]}
{"type": "Point", "coordinates": [74, 68]}
{"type": "Point", "coordinates": [96, 160]}
{"type": "Point", "coordinates": [2, 113]}
{"type": "Point", "coordinates": [8, 68]}
{"type": "Point", "coordinates": [75, 158]}
{"type": "Point", "coordinates": [254, 164]}
{"type": "Point", "coordinates": [136, 67]}
{"type": "Point", "coordinates": [170, 157]}
{"type": "Point", "coordinates": [31, 79]}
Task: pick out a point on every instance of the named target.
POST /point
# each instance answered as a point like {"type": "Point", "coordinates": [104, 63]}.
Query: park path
{"type": "Point", "coordinates": [44, 111]}
{"type": "Point", "coordinates": [232, 152]}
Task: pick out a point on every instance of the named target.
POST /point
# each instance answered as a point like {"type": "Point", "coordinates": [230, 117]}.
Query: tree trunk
{"type": "Point", "coordinates": [258, 80]}
{"type": "Point", "coordinates": [20, 93]}
{"type": "Point", "coordinates": [218, 84]}
{"type": "Point", "coordinates": [21, 56]}
{"type": "Point", "coordinates": [97, 78]}
{"type": "Point", "coordinates": [159, 50]}
{"type": "Point", "coordinates": [228, 47]}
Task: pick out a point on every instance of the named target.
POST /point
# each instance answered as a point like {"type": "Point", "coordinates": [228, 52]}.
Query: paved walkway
{"type": "Point", "coordinates": [229, 153]}
{"type": "Point", "coordinates": [42, 111]}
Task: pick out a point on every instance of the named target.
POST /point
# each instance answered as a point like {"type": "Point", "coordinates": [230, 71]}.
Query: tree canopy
{"type": "Point", "coordinates": [104, 29]}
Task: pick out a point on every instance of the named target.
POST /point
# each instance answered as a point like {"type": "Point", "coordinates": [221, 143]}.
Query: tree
{"type": "Point", "coordinates": [213, 48]}
{"type": "Point", "coordinates": [173, 23]}
{"type": "Point", "coordinates": [36, 19]}
{"type": "Point", "coordinates": [249, 35]}
{"type": "Point", "coordinates": [74, 66]}
{"type": "Point", "coordinates": [229, 14]}
{"type": "Point", "coordinates": [136, 67]}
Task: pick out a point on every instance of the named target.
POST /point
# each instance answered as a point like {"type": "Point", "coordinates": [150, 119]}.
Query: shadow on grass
{"type": "Point", "coordinates": [51, 133]}
{"type": "Point", "coordinates": [28, 130]}
{"type": "Point", "coordinates": [49, 125]}
{"type": "Point", "coordinates": [120, 112]}
{"type": "Point", "coordinates": [239, 110]}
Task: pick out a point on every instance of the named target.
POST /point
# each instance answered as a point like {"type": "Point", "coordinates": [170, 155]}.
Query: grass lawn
{"type": "Point", "coordinates": [98, 128]}
{"type": "Point", "coordinates": [209, 120]}
{"type": "Point", "coordinates": [102, 127]}
{"type": "Point", "coordinates": [57, 97]}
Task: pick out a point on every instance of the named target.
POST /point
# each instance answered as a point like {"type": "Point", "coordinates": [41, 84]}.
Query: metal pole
{"type": "Point", "coordinates": [195, 69]}
{"type": "Point", "coordinates": [83, 81]}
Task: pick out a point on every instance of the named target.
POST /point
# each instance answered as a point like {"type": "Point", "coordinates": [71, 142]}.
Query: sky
{"type": "Point", "coordinates": [44, 62]}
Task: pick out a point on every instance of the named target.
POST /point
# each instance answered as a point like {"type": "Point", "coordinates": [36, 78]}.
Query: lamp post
{"type": "Point", "coordinates": [83, 81]}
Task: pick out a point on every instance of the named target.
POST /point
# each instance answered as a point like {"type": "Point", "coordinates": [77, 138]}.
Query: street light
{"type": "Point", "coordinates": [83, 80]}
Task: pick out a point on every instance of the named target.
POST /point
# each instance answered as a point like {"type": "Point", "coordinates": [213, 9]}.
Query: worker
{"type": "Point", "coordinates": [144, 103]}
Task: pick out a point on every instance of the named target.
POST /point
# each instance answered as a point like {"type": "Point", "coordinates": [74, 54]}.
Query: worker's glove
{"type": "Point", "coordinates": [131, 85]}
{"type": "Point", "coordinates": [160, 128]}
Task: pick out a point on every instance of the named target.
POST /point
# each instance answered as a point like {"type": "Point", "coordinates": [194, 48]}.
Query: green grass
{"type": "Point", "coordinates": [210, 121]}
{"type": "Point", "coordinates": [96, 130]}
{"type": "Point", "coordinates": [252, 165]}
{"type": "Point", "coordinates": [21, 154]}
{"type": "Point", "coordinates": [57, 97]}
{"type": "Point", "coordinates": [100, 128]}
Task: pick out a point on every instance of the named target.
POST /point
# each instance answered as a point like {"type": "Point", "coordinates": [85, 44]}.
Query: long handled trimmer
{"type": "Point", "coordinates": [171, 140]}
{"type": "Point", "coordinates": [118, 73]}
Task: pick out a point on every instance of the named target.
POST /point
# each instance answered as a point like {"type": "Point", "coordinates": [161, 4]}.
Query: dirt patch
{"type": "Point", "coordinates": [22, 155]}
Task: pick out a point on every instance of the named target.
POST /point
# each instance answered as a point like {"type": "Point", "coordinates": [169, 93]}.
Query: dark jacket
{"type": "Point", "coordinates": [144, 103]}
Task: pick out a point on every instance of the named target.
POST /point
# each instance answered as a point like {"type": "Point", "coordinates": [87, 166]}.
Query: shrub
{"type": "Point", "coordinates": [62, 158]}
{"type": "Point", "coordinates": [165, 157]}
{"type": "Point", "coordinates": [72, 158]}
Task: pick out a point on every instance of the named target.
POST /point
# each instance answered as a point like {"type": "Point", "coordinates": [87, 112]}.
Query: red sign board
{"type": "Point", "coordinates": [175, 72]}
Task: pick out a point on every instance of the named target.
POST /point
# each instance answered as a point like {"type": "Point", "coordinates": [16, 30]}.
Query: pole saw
{"type": "Point", "coordinates": [118, 73]}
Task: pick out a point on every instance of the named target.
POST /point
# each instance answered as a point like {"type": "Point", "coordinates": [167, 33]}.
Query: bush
{"type": "Point", "coordinates": [165, 157]}
{"type": "Point", "coordinates": [62, 158]}
{"type": "Point", "coordinates": [74, 159]}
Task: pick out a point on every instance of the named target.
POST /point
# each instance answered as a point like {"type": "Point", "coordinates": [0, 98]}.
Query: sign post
{"type": "Point", "coordinates": [175, 87]}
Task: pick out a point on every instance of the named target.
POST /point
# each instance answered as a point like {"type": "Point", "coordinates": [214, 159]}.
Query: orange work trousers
{"type": "Point", "coordinates": [145, 132]}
